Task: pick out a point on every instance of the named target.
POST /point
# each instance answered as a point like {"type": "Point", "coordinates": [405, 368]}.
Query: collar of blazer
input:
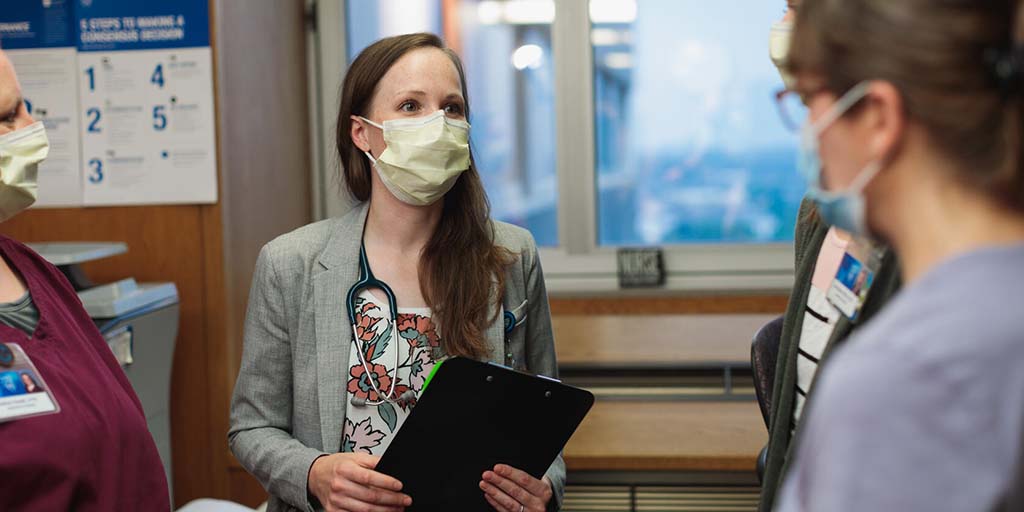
{"type": "Point", "coordinates": [346, 238]}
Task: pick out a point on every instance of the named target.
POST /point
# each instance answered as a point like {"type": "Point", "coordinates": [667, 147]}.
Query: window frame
{"type": "Point", "coordinates": [578, 265]}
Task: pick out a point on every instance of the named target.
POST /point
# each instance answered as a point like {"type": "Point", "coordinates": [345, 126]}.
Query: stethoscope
{"type": "Point", "coordinates": [365, 282]}
{"type": "Point", "coordinates": [512, 319]}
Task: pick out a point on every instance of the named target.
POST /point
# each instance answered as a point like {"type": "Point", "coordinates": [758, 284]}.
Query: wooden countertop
{"type": "Point", "coordinates": [655, 340]}
{"type": "Point", "coordinates": [668, 436]}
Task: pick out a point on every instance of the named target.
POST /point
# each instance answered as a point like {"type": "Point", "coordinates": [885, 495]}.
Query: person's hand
{"type": "Point", "coordinates": [508, 489]}
{"type": "Point", "coordinates": [346, 482]}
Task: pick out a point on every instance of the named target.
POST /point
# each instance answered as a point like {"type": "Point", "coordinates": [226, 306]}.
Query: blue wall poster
{"type": "Point", "coordinates": [145, 82]}
{"type": "Point", "coordinates": [125, 88]}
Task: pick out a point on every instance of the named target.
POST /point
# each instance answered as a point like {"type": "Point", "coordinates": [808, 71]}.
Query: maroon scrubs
{"type": "Point", "coordinates": [96, 454]}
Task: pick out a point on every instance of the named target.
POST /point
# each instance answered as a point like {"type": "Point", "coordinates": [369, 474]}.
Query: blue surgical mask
{"type": "Point", "coordinates": [844, 209]}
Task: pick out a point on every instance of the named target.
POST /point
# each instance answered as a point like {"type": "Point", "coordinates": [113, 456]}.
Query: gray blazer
{"type": "Point", "coordinates": [289, 402]}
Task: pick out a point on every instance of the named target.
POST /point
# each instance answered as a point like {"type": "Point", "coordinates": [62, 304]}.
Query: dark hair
{"type": "Point", "coordinates": [460, 267]}
{"type": "Point", "coordinates": [944, 57]}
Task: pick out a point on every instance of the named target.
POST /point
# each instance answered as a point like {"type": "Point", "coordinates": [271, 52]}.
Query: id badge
{"type": "Point", "coordinates": [23, 393]}
{"type": "Point", "coordinates": [856, 274]}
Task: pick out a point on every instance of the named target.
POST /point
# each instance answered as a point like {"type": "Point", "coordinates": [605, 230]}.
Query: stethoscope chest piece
{"type": "Point", "coordinates": [513, 319]}
{"type": "Point", "coordinates": [510, 322]}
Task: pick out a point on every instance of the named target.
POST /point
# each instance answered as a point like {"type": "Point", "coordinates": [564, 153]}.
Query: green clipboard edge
{"type": "Point", "coordinates": [431, 376]}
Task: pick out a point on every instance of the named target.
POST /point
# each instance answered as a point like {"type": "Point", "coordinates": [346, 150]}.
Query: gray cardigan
{"type": "Point", "coordinates": [288, 407]}
{"type": "Point", "coordinates": [810, 234]}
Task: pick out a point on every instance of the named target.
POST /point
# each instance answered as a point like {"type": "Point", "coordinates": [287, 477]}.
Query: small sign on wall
{"type": "Point", "coordinates": [641, 268]}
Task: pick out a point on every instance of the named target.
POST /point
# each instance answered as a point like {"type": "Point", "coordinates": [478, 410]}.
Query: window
{"type": "Point", "coordinates": [600, 124]}
{"type": "Point", "coordinates": [690, 147]}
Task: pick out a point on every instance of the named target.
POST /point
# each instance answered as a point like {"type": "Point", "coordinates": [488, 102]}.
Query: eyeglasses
{"type": "Point", "coordinates": [792, 108]}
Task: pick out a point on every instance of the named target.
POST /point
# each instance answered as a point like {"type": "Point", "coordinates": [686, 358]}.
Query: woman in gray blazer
{"type": "Point", "coordinates": [326, 378]}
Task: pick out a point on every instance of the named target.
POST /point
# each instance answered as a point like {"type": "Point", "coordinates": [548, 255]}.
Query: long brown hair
{"type": "Point", "coordinates": [461, 271]}
{"type": "Point", "coordinates": [949, 59]}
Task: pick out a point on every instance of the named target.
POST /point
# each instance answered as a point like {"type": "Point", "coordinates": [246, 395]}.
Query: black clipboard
{"type": "Point", "coordinates": [472, 416]}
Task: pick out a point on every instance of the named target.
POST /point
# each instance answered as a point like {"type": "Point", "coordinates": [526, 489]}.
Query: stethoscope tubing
{"type": "Point", "coordinates": [365, 282]}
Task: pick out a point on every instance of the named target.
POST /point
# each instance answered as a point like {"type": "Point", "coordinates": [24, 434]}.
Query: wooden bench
{"type": "Point", "coordinates": [665, 341]}
{"type": "Point", "coordinates": [668, 436]}
{"type": "Point", "coordinates": [658, 435]}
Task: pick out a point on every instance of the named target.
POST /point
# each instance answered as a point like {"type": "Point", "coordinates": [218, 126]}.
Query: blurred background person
{"type": "Point", "coordinates": [916, 125]}
{"type": "Point", "coordinates": [812, 326]}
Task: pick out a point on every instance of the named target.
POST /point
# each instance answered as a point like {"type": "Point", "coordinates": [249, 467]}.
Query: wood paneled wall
{"type": "Point", "coordinates": [263, 118]}
{"type": "Point", "coordinates": [209, 250]}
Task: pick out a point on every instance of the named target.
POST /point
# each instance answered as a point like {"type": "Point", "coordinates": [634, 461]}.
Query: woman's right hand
{"type": "Point", "coordinates": [347, 482]}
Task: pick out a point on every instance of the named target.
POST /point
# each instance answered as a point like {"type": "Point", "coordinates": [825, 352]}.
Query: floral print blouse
{"type": "Point", "coordinates": [369, 428]}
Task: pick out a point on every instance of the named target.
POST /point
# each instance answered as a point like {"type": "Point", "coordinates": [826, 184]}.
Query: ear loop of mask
{"type": "Point", "coordinates": [855, 94]}
{"type": "Point", "coordinates": [375, 125]}
{"type": "Point", "coordinates": [815, 129]}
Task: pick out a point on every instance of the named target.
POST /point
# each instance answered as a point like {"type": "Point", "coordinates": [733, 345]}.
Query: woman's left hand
{"type": "Point", "coordinates": [508, 489]}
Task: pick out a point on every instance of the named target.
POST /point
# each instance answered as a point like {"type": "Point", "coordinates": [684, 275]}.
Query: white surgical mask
{"type": "Point", "coordinates": [21, 151]}
{"type": "Point", "coordinates": [845, 209]}
{"type": "Point", "coordinates": [424, 157]}
{"type": "Point", "coordinates": [778, 49]}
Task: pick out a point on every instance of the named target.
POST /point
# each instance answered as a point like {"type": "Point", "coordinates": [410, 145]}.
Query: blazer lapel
{"type": "Point", "coordinates": [333, 325]}
{"type": "Point", "coordinates": [495, 336]}
{"type": "Point", "coordinates": [495, 333]}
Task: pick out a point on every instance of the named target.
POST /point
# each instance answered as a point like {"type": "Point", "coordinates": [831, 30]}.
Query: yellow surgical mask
{"type": "Point", "coordinates": [424, 157]}
{"type": "Point", "coordinates": [778, 49]}
{"type": "Point", "coordinates": [21, 151]}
